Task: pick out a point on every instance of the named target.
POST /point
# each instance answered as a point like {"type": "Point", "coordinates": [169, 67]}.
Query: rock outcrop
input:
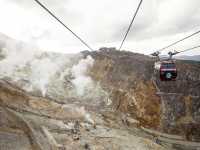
{"type": "Point", "coordinates": [34, 123]}
{"type": "Point", "coordinates": [169, 107]}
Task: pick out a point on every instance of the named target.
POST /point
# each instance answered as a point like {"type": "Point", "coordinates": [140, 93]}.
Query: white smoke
{"type": "Point", "coordinates": [59, 76]}
{"type": "Point", "coordinates": [42, 72]}
{"type": "Point", "coordinates": [82, 81]}
{"type": "Point", "coordinates": [39, 70]}
{"type": "Point", "coordinates": [23, 62]}
{"type": "Point", "coordinates": [157, 65]}
{"type": "Point", "coordinates": [17, 57]}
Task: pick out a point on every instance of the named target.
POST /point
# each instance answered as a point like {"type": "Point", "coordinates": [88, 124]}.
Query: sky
{"type": "Point", "coordinates": [103, 23]}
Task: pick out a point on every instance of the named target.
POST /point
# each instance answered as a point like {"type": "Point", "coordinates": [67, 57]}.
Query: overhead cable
{"type": "Point", "coordinates": [189, 49]}
{"type": "Point", "coordinates": [54, 16]}
{"type": "Point", "coordinates": [130, 24]}
{"type": "Point", "coordinates": [174, 43]}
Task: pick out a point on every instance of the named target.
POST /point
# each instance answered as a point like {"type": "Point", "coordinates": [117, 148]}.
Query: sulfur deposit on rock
{"type": "Point", "coordinates": [34, 123]}
{"type": "Point", "coordinates": [169, 107]}
{"type": "Point", "coordinates": [130, 85]}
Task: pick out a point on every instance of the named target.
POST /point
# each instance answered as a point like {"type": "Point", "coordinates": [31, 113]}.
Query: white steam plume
{"type": "Point", "coordinates": [81, 80]}
{"type": "Point", "coordinates": [60, 76]}
{"type": "Point", "coordinates": [23, 62]}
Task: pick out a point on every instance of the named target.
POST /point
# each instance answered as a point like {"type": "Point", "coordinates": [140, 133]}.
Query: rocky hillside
{"type": "Point", "coordinates": [195, 58]}
{"type": "Point", "coordinates": [104, 99]}
{"type": "Point", "coordinates": [170, 107]}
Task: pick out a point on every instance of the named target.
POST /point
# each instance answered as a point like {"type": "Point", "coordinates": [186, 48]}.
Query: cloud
{"type": "Point", "coordinates": [166, 18]}
{"type": "Point", "coordinates": [178, 16]}
{"type": "Point", "coordinates": [98, 22]}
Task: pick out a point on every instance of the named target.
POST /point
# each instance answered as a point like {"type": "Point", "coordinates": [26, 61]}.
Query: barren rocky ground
{"type": "Point", "coordinates": [29, 122]}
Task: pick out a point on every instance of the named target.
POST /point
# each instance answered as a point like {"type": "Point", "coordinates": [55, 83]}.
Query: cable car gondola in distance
{"type": "Point", "coordinates": [168, 71]}
{"type": "Point", "coordinates": [166, 68]}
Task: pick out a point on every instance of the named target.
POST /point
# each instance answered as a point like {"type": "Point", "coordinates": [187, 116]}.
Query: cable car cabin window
{"type": "Point", "coordinates": [168, 71]}
{"type": "Point", "coordinates": [168, 66]}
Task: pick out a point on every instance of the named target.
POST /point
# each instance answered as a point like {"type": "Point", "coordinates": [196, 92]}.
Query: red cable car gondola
{"type": "Point", "coordinates": [168, 71]}
{"type": "Point", "coordinates": [166, 68]}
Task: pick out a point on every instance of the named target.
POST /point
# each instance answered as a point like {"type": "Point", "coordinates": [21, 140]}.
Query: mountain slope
{"type": "Point", "coordinates": [194, 58]}
{"type": "Point", "coordinates": [69, 101]}
{"type": "Point", "coordinates": [170, 107]}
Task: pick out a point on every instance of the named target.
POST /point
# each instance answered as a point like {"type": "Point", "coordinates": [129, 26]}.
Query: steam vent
{"type": "Point", "coordinates": [99, 100]}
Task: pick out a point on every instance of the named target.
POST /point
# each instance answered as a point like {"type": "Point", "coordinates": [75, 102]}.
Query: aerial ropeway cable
{"type": "Point", "coordinates": [45, 8]}
{"type": "Point", "coordinates": [178, 52]}
{"type": "Point", "coordinates": [130, 24]}
{"type": "Point", "coordinates": [156, 53]}
{"type": "Point", "coordinates": [189, 49]}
